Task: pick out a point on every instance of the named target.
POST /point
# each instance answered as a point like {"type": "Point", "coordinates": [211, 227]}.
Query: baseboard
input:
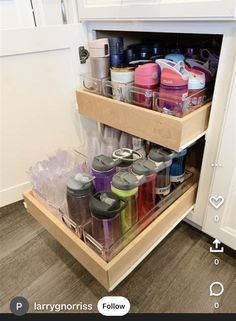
{"type": "Point", "coordinates": [13, 193]}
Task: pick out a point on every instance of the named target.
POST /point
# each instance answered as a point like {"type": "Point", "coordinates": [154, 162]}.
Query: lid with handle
{"type": "Point", "coordinates": [105, 205]}
{"type": "Point", "coordinates": [173, 74]}
{"type": "Point", "coordinates": [144, 167]}
{"type": "Point", "coordinates": [126, 154]}
{"type": "Point", "coordinates": [102, 163]}
{"type": "Point", "coordinates": [80, 184]}
{"type": "Point", "coordinates": [126, 181]}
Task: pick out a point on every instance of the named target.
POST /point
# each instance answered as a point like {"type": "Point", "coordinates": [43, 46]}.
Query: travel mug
{"type": "Point", "coordinates": [106, 208]}
{"type": "Point", "coordinates": [145, 78]}
{"type": "Point", "coordinates": [99, 58]}
{"type": "Point", "coordinates": [131, 54]}
{"type": "Point", "coordinates": [144, 51]}
{"type": "Point", "coordinates": [116, 52]}
{"type": "Point", "coordinates": [146, 191]}
{"type": "Point", "coordinates": [163, 177]}
{"type": "Point", "coordinates": [125, 184]}
{"type": "Point", "coordinates": [103, 169]}
{"type": "Point", "coordinates": [79, 192]}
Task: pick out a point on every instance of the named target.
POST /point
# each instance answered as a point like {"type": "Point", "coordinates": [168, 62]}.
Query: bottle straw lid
{"type": "Point", "coordinates": [80, 183]}
{"type": "Point", "coordinates": [105, 205]}
{"type": "Point", "coordinates": [144, 167]}
{"type": "Point", "coordinates": [126, 180]}
{"type": "Point", "coordinates": [104, 163]}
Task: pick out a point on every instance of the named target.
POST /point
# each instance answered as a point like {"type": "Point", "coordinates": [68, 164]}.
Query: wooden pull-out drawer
{"type": "Point", "coordinates": [112, 273]}
{"type": "Point", "coordinates": [169, 131]}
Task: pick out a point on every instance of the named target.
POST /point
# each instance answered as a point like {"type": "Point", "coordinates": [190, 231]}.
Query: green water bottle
{"type": "Point", "coordinates": [125, 184]}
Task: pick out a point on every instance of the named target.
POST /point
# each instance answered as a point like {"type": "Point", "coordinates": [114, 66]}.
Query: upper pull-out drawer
{"type": "Point", "coordinates": [172, 132]}
{"type": "Point", "coordinates": [159, 9]}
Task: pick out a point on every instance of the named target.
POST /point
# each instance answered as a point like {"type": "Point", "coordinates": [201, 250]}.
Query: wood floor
{"type": "Point", "coordinates": [175, 277]}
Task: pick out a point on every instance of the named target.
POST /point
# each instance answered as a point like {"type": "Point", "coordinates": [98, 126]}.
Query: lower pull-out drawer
{"type": "Point", "coordinates": [112, 273]}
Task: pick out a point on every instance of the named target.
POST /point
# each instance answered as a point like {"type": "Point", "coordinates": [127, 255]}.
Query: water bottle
{"type": "Point", "coordinates": [173, 87]}
{"type": "Point", "coordinates": [103, 169]}
{"type": "Point", "coordinates": [106, 208]}
{"type": "Point", "coordinates": [125, 184]}
{"type": "Point", "coordinates": [145, 77]}
{"type": "Point", "coordinates": [147, 191]}
{"type": "Point", "coordinates": [163, 176]}
{"type": "Point", "coordinates": [79, 192]}
{"type": "Point", "coordinates": [177, 170]}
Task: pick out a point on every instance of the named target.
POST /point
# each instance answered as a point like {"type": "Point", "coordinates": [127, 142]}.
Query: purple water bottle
{"type": "Point", "coordinates": [103, 168]}
{"type": "Point", "coordinates": [106, 208]}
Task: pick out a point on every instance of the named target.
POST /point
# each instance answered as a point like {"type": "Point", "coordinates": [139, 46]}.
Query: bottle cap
{"type": "Point", "coordinates": [102, 163]}
{"type": "Point", "coordinates": [144, 167]}
{"type": "Point", "coordinates": [106, 205]}
{"type": "Point", "coordinates": [126, 180]}
{"type": "Point", "coordinates": [80, 184]}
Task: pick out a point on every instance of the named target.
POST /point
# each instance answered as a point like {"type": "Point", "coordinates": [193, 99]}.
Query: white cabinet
{"type": "Point", "coordinates": [39, 75]}
{"type": "Point", "coordinates": [221, 223]}
{"type": "Point", "coordinates": [156, 9]}
{"type": "Point", "coordinates": [16, 14]}
{"type": "Point", "coordinates": [55, 12]}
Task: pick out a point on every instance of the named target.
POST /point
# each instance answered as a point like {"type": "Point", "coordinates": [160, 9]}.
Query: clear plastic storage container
{"type": "Point", "coordinates": [108, 252]}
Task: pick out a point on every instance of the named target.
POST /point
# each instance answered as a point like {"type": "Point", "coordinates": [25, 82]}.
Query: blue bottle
{"type": "Point", "coordinates": [117, 57]}
{"type": "Point", "coordinates": [177, 169]}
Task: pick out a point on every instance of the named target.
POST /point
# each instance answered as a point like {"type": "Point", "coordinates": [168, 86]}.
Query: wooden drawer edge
{"type": "Point", "coordinates": [81, 252]}
{"type": "Point", "coordinates": [168, 131]}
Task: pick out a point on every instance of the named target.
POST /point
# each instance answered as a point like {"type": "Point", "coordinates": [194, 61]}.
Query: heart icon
{"type": "Point", "coordinates": [216, 202]}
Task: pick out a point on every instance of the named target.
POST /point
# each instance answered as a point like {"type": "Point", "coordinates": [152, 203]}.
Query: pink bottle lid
{"type": "Point", "coordinates": [172, 78]}
{"type": "Point", "coordinates": [146, 75]}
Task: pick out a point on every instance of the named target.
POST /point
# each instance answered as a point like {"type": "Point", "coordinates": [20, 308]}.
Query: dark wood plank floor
{"type": "Point", "coordinates": [175, 277]}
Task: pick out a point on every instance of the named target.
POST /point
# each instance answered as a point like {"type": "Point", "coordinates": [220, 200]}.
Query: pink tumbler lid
{"type": "Point", "coordinates": [146, 75]}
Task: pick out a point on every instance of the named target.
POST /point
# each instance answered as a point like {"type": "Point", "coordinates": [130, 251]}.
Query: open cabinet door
{"type": "Point", "coordinates": [40, 70]}
{"type": "Point", "coordinates": [220, 220]}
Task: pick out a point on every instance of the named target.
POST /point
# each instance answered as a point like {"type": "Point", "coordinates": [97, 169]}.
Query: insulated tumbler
{"type": "Point", "coordinates": [125, 184]}
{"type": "Point", "coordinates": [79, 192]}
{"type": "Point", "coordinates": [103, 169]}
{"type": "Point", "coordinates": [99, 58]}
{"type": "Point", "coordinates": [116, 51]}
{"type": "Point", "coordinates": [146, 191]}
{"type": "Point", "coordinates": [105, 211]}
